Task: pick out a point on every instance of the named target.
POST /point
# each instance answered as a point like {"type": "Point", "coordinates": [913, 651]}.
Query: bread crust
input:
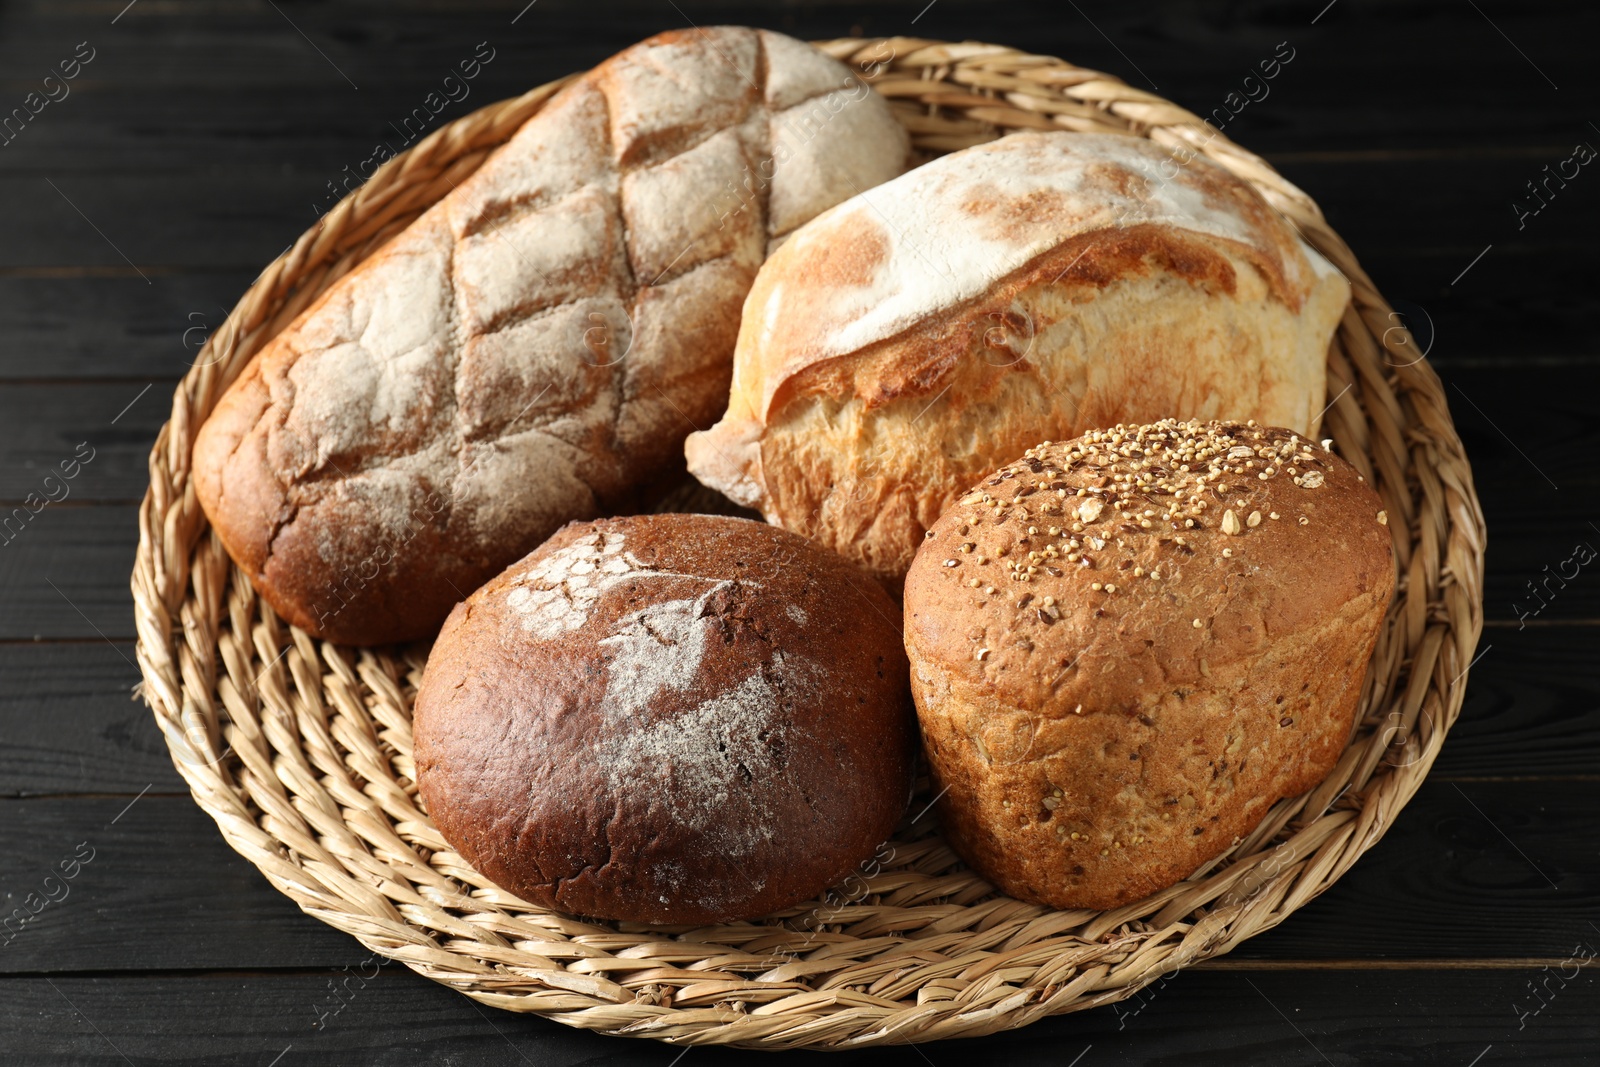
{"type": "Point", "coordinates": [908, 341]}
{"type": "Point", "coordinates": [668, 719]}
{"type": "Point", "coordinates": [533, 348]}
{"type": "Point", "coordinates": [1137, 676]}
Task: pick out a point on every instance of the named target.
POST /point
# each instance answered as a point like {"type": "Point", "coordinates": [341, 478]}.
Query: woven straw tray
{"type": "Point", "coordinates": [301, 750]}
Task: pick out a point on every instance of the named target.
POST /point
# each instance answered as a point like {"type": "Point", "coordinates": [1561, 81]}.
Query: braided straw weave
{"type": "Point", "coordinates": [301, 750]}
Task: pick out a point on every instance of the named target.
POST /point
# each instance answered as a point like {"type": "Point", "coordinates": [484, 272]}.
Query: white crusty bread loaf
{"type": "Point", "coordinates": [536, 346]}
{"type": "Point", "coordinates": [908, 341]}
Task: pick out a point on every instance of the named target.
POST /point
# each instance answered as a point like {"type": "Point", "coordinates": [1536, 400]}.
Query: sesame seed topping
{"type": "Point", "coordinates": [1137, 489]}
{"type": "Point", "coordinates": [1383, 518]}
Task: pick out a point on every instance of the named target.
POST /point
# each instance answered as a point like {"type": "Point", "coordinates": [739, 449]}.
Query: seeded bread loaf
{"type": "Point", "coordinates": [915, 337]}
{"type": "Point", "coordinates": [1125, 648]}
{"type": "Point", "coordinates": [534, 348]}
{"type": "Point", "coordinates": [669, 719]}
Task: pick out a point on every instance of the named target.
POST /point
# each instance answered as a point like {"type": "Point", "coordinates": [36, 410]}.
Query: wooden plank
{"type": "Point", "coordinates": [104, 125]}
{"type": "Point", "coordinates": [1186, 51]}
{"type": "Point", "coordinates": [87, 323]}
{"type": "Point", "coordinates": [76, 323]}
{"type": "Point", "coordinates": [1528, 435]}
{"type": "Point", "coordinates": [66, 574]}
{"type": "Point", "coordinates": [79, 442]}
{"type": "Point", "coordinates": [1294, 1017]}
{"type": "Point", "coordinates": [206, 219]}
{"type": "Point", "coordinates": [1465, 873]}
{"type": "Point", "coordinates": [1462, 858]}
{"type": "Point", "coordinates": [237, 216]}
{"type": "Point", "coordinates": [155, 888]}
{"type": "Point", "coordinates": [271, 106]}
{"type": "Point", "coordinates": [72, 582]}
{"type": "Point", "coordinates": [1532, 708]}
{"type": "Point", "coordinates": [68, 723]}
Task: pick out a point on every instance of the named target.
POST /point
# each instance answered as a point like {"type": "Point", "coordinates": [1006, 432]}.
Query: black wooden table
{"type": "Point", "coordinates": [176, 148]}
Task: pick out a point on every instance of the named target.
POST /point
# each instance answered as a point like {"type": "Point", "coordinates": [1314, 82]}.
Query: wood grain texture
{"type": "Point", "coordinates": [200, 141]}
{"type": "Point", "coordinates": [78, 443]}
{"type": "Point", "coordinates": [1465, 874]}
{"type": "Point", "coordinates": [69, 723]}
{"type": "Point", "coordinates": [138, 330]}
{"type": "Point", "coordinates": [153, 331]}
{"type": "Point", "coordinates": [1207, 1017]}
{"type": "Point", "coordinates": [234, 216]}
{"type": "Point", "coordinates": [72, 582]}
{"type": "Point", "coordinates": [138, 904]}
{"type": "Point", "coordinates": [65, 574]}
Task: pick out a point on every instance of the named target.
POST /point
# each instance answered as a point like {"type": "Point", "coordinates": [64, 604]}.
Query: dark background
{"type": "Point", "coordinates": [199, 142]}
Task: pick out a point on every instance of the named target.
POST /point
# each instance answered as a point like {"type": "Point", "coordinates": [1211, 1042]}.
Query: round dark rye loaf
{"type": "Point", "coordinates": [668, 718]}
{"type": "Point", "coordinates": [1126, 647]}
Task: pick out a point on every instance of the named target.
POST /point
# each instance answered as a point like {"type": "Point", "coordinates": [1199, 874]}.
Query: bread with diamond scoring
{"type": "Point", "coordinates": [534, 348]}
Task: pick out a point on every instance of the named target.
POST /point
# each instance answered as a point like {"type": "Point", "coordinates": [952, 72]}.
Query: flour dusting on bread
{"type": "Point", "coordinates": [704, 759]}
{"type": "Point", "coordinates": [904, 343]}
{"type": "Point", "coordinates": [535, 346]}
{"type": "Point", "coordinates": [655, 648]}
{"type": "Point", "coordinates": [556, 595]}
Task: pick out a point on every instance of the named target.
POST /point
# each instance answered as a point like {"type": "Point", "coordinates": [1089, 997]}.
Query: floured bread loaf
{"type": "Point", "coordinates": [912, 339]}
{"type": "Point", "coordinates": [534, 347]}
{"type": "Point", "coordinates": [668, 718]}
{"type": "Point", "coordinates": [1126, 647]}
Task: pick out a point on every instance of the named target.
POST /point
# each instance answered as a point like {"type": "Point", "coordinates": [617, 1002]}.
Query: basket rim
{"type": "Point", "coordinates": [263, 777]}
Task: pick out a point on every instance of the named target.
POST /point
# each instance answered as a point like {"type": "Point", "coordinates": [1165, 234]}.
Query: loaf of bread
{"type": "Point", "coordinates": [668, 719]}
{"type": "Point", "coordinates": [1125, 648]}
{"type": "Point", "coordinates": [536, 346]}
{"type": "Point", "coordinates": [915, 337]}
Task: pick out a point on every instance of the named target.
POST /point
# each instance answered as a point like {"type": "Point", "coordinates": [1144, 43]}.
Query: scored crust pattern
{"type": "Point", "coordinates": [537, 344]}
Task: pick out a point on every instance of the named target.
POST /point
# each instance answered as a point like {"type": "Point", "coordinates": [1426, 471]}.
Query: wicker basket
{"type": "Point", "coordinates": [301, 750]}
